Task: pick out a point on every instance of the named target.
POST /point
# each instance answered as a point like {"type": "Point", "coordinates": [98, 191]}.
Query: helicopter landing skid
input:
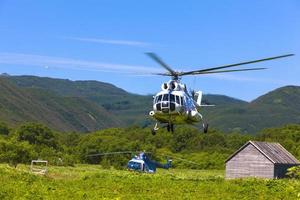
{"type": "Point", "coordinates": [205, 127]}
{"type": "Point", "coordinates": [169, 126]}
{"type": "Point", "coordinates": [204, 124]}
{"type": "Point", "coordinates": [153, 131]}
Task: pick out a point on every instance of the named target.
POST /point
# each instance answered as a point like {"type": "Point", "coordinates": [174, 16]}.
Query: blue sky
{"type": "Point", "coordinates": [105, 40]}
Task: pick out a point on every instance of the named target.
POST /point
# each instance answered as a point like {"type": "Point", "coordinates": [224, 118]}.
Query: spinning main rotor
{"type": "Point", "coordinates": [213, 70]}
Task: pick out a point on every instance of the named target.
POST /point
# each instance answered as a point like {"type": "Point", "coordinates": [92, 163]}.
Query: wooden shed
{"type": "Point", "coordinates": [260, 159]}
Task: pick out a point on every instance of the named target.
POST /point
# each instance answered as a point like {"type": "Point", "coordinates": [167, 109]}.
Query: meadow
{"type": "Point", "coordinates": [198, 161]}
{"type": "Point", "coordinates": [94, 182]}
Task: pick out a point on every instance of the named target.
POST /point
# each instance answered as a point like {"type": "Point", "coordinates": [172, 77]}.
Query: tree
{"type": "Point", "coordinates": [183, 139]}
{"type": "Point", "coordinates": [36, 134]}
{"type": "Point", "coordinates": [13, 152]}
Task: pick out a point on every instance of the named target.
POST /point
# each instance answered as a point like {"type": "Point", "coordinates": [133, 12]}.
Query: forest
{"type": "Point", "coordinates": [187, 146]}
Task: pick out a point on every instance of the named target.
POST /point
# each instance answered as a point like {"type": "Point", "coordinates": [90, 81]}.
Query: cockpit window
{"type": "Point", "coordinates": [177, 99]}
{"type": "Point", "coordinates": [134, 165]}
{"type": "Point", "coordinates": [159, 98]}
{"type": "Point", "coordinates": [172, 98]}
{"type": "Point", "coordinates": [166, 97]}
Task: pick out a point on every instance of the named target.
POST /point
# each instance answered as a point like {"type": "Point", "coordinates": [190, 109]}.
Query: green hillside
{"type": "Point", "coordinates": [274, 109]}
{"type": "Point", "coordinates": [18, 105]}
{"type": "Point", "coordinates": [91, 105]}
{"type": "Point", "coordinates": [66, 87]}
{"type": "Point", "coordinates": [126, 107]}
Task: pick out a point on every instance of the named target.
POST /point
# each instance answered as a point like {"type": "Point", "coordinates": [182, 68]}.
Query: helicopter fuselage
{"type": "Point", "coordinates": [173, 105]}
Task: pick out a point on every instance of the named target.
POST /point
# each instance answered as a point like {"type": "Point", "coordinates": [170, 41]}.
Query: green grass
{"type": "Point", "coordinates": [93, 182]}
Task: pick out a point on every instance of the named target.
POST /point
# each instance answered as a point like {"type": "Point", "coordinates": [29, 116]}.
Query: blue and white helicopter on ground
{"type": "Point", "coordinates": [175, 105]}
{"type": "Point", "coordinates": [142, 163]}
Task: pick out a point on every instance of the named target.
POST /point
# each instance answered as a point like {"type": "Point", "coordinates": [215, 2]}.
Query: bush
{"type": "Point", "coordinates": [36, 134]}
{"type": "Point", "coordinates": [294, 172]}
{"type": "Point", "coordinates": [15, 152]}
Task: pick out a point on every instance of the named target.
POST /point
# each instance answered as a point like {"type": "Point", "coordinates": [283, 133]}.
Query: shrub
{"type": "Point", "coordinates": [15, 152]}
{"type": "Point", "coordinates": [294, 172]}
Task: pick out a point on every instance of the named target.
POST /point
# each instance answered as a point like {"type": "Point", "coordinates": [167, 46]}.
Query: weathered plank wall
{"type": "Point", "coordinates": [249, 162]}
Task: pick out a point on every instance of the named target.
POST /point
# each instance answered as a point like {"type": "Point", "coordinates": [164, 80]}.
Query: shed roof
{"type": "Point", "coordinates": [273, 151]}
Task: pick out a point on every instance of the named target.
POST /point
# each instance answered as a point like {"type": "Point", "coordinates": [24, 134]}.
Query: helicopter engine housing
{"type": "Point", "coordinates": [173, 85]}
{"type": "Point", "coordinates": [165, 86]}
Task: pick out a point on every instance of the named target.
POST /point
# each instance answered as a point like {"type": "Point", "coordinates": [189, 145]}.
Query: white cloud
{"type": "Point", "coordinates": [68, 63]}
{"type": "Point", "coordinates": [230, 77]}
{"type": "Point", "coordinates": [114, 42]}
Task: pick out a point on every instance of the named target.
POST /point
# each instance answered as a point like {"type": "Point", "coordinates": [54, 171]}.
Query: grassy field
{"type": "Point", "coordinates": [93, 182]}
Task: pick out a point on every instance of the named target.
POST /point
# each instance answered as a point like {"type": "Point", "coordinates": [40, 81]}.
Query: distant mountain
{"type": "Point", "coordinates": [126, 107]}
{"type": "Point", "coordinates": [90, 105]}
{"type": "Point", "coordinates": [276, 108]}
{"type": "Point", "coordinates": [18, 105]}
{"type": "Point", "coordinates": [4, 74]}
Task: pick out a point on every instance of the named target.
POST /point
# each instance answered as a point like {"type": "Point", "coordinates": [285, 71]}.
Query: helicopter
{"type": "Point", "coordinates": [140, 162]}
{"type": "Point", "coordinates": [175, 105]}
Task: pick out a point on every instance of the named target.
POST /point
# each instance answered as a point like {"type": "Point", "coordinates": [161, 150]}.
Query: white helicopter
{"type": "Point", "coordinates": [175, 105]}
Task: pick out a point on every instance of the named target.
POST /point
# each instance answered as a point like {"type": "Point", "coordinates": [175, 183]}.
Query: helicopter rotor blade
{"type": "Point", "coordinates": [225, 71]}
{"type": "Point", "coordinates": [162, 74]}
{"type": "Point", "coordinates": [111, 153]}
{"type": "Point", "coordinates": [162, 63]}
{"type": "Point", "coordinates": [179, 158]}
{"type": "Point", "coordinates": [231, 65]}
